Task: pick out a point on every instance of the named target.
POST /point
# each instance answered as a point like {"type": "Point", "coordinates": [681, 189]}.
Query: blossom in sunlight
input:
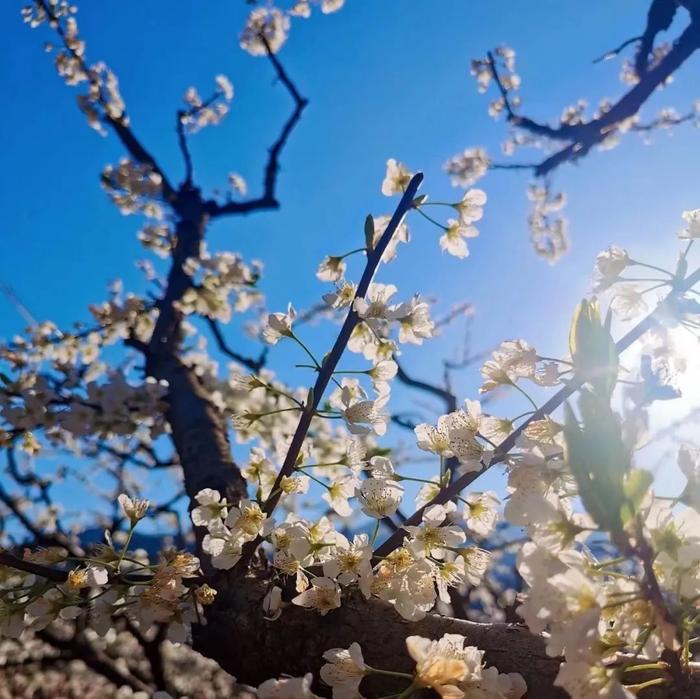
{"type": "Point", "coordinates": [480, 512]}
{"type": "Point", "coordinates": [134, 509]}
{"type": "Point", "coordinates": [329, 6]}
{"type": "Point", "coordinates": [454, 240]}
{"type": "Point", "coordinates": [374, 308]}
{"type": "Point", "coordinates": [628, 302]}
{"type": "Point", "coordinates": [470, 208]}
{"type": "Point", "coordinates": [433, 537]}
{"type": "Point", "coordinates": [379, 497]}
{"type": "Point", "coordinates": [338, 494]}
{"type": "Point", "coordinates": [434, 439]}
{"type": "Point", "coordinates": [237, 183]}
{"type": "Point", "coordinates": [401, 235]}
{"type": "Point", "coordinates": [248, 519]}
{"type": "Point", "coordinates": [692, 227]}
{"type": "Point", "coordinates": [609, 265]}
{"type": "Point", "coordinates": [279, 325]}
{"type": "Point", "coordinates": [323, 596]}
{"type": "Point", "coordinates": [468, 167]}
{"type": "Point", "coordinates": [382, 373]}
{"type": "Point", "coordinates": [443, 664]}
{"type": "Point", "coordinates": [414, 321]}
{"type": "Point", "coordinates": [331, 269]}
{"type": "Point", "coordinates": [510, 361]}
{"type": "Point", "coordinates": [343, 295]}
{"type": "Point", "coordinates": [224, 547]}
{"type": "Point", "coordinates": [210, 507]}
{"type": "Point", "coordinates": [344, 671]}
{"type": "Point", "coordinates": [587, 680]}
{"type": "Point", "coordinates": [363, 416]}
{"type": "Point", "coordinates": [381, 467]}
{"type": "Point", "coordinates": [476, 563]}
{"type": "Point", "coordinates": [272, 603]}
{"type": "Point", "coordinates": [268, 22]}
{"type": "Point", "coordinates": [396, 179]}
{"type": "Point", "coordinates": [287, 688]}
{"type": "Point", "coordinates": [349, 561]}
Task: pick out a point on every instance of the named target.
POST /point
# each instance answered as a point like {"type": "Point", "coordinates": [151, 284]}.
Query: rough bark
{"type": "Point", "coordinates": [253, 649]}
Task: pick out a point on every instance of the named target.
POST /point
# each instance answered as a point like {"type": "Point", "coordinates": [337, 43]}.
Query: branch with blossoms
{"type": "Point", "coordinates": [275, 589]}
{"type": "Point", "coordinates": [577, 134]}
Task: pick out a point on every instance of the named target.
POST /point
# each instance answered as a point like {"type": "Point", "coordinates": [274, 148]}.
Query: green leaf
{"type": "Point", "coordinates": [369, 232]}
{"type": "Point", "coordinates": [593, 349]}
{"type": "Point", "coordinates": [597, 458]}
{"type": "Point", "coordinates": [635, 486]}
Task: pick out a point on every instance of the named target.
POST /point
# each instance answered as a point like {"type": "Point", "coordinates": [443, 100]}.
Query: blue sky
{"type": "Point", "coordinates": [385, 78]}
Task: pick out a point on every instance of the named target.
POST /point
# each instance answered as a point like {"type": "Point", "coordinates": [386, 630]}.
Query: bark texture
{"type": "Point", "coordinates": [253, 649]}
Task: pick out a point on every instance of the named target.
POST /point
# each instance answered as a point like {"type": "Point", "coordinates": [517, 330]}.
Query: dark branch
{"type": "Point", "coordinates": [268, 200]}
{"type": "Point", "coordinates": [333, 357]}
{"type": "Point", "coordinates": [252, 364]}
{"type": "Point", "coordinates": [584, 136]}
{"type": "Point", "coordinates": [119, 125]}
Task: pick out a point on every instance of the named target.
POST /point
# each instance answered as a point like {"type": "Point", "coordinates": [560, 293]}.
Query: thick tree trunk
{"type": "Point", "coordinates": [253, 649]}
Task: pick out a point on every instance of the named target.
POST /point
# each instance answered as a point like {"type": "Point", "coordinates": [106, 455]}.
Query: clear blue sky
{"type": "Point", "coordinates": [385, 78]}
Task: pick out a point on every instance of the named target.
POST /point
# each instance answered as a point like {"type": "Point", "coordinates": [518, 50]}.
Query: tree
{"type": "Point", "coordinates": [339, 589]}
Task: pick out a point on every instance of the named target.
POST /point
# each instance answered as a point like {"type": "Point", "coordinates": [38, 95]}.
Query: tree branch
{"type": "Point", "coordinates": [586, 135]}
{"type": "Point", "coordinates": [333, 357]}
{"type": "Point", "coordinates": [503, 450]}
{"type": "Point", "coordinates": [268, 199]}
{"type": "Point", "coordinates": [253, 364]}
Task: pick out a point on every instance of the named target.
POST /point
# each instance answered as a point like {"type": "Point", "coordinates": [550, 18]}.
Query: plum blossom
{"type": "Point", "coordinates": [323, 596]}
{"type": "Point", "coordinates": [454, 239]}
{"type": "Point", "coordinates": [692, 221]}
{"type": "Point", "coordinates": [433, 537]}
{"type": "Point", "coordinates": [287, 688]}
{"type": "Point", "coordinates": [268, 22]}
{"type": "Point", "coordinates": [397, 178]}
{"type": "Point", "coordinates": [379, 497]}
{"type": "Point", "coordinates": [344, 671]}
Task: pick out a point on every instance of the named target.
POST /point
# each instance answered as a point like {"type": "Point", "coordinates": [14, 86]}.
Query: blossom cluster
{"type": "Point", "coordinates": [111, 581]}
{"type": "Point", "coordinates": [267, 28]}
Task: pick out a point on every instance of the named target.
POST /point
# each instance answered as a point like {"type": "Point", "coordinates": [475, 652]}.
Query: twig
{"type": "Point", "coordinates": [252, 364]}
{"type": "Point", "coordinates": [333, 357]}
{"type": "Point", "coordinates": [268, 199]}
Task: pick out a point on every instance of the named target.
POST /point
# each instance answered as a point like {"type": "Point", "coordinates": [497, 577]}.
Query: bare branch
{"type": "Point", "coordinates": [252, 364]}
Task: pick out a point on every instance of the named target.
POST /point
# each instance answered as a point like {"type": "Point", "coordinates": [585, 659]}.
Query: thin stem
{"type": "Point", "coordinates": [388, 673]}
{"type": "Point", "coordinates": [524, 392]}
{"type": "Point", "coordinates": [540, 358]}
{"type": "Point", "coordinates": [374, 533]}
{"type": "Point", "coordinates": [431, 219]}
{"type": "Point", "coordinates": [306, 349]}
{"type": "Point", "coordinates": [643, 685]}
{"type": "Point", "coordinates": [648, 266]}
{"type": "Point", "coordinates": [352, 252]}
{"type": "Point", "coordinates": [126, 546]}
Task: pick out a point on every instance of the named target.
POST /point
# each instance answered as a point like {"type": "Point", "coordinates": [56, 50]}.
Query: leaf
{"type": "Point", "coordinates": [593, 349]}
{"type": "Point", "coordinates": [597, 458]}
{"type": "Point", "coordinates": [369, 232]}
{"type": "Point", "coordinates": [635, 486]}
